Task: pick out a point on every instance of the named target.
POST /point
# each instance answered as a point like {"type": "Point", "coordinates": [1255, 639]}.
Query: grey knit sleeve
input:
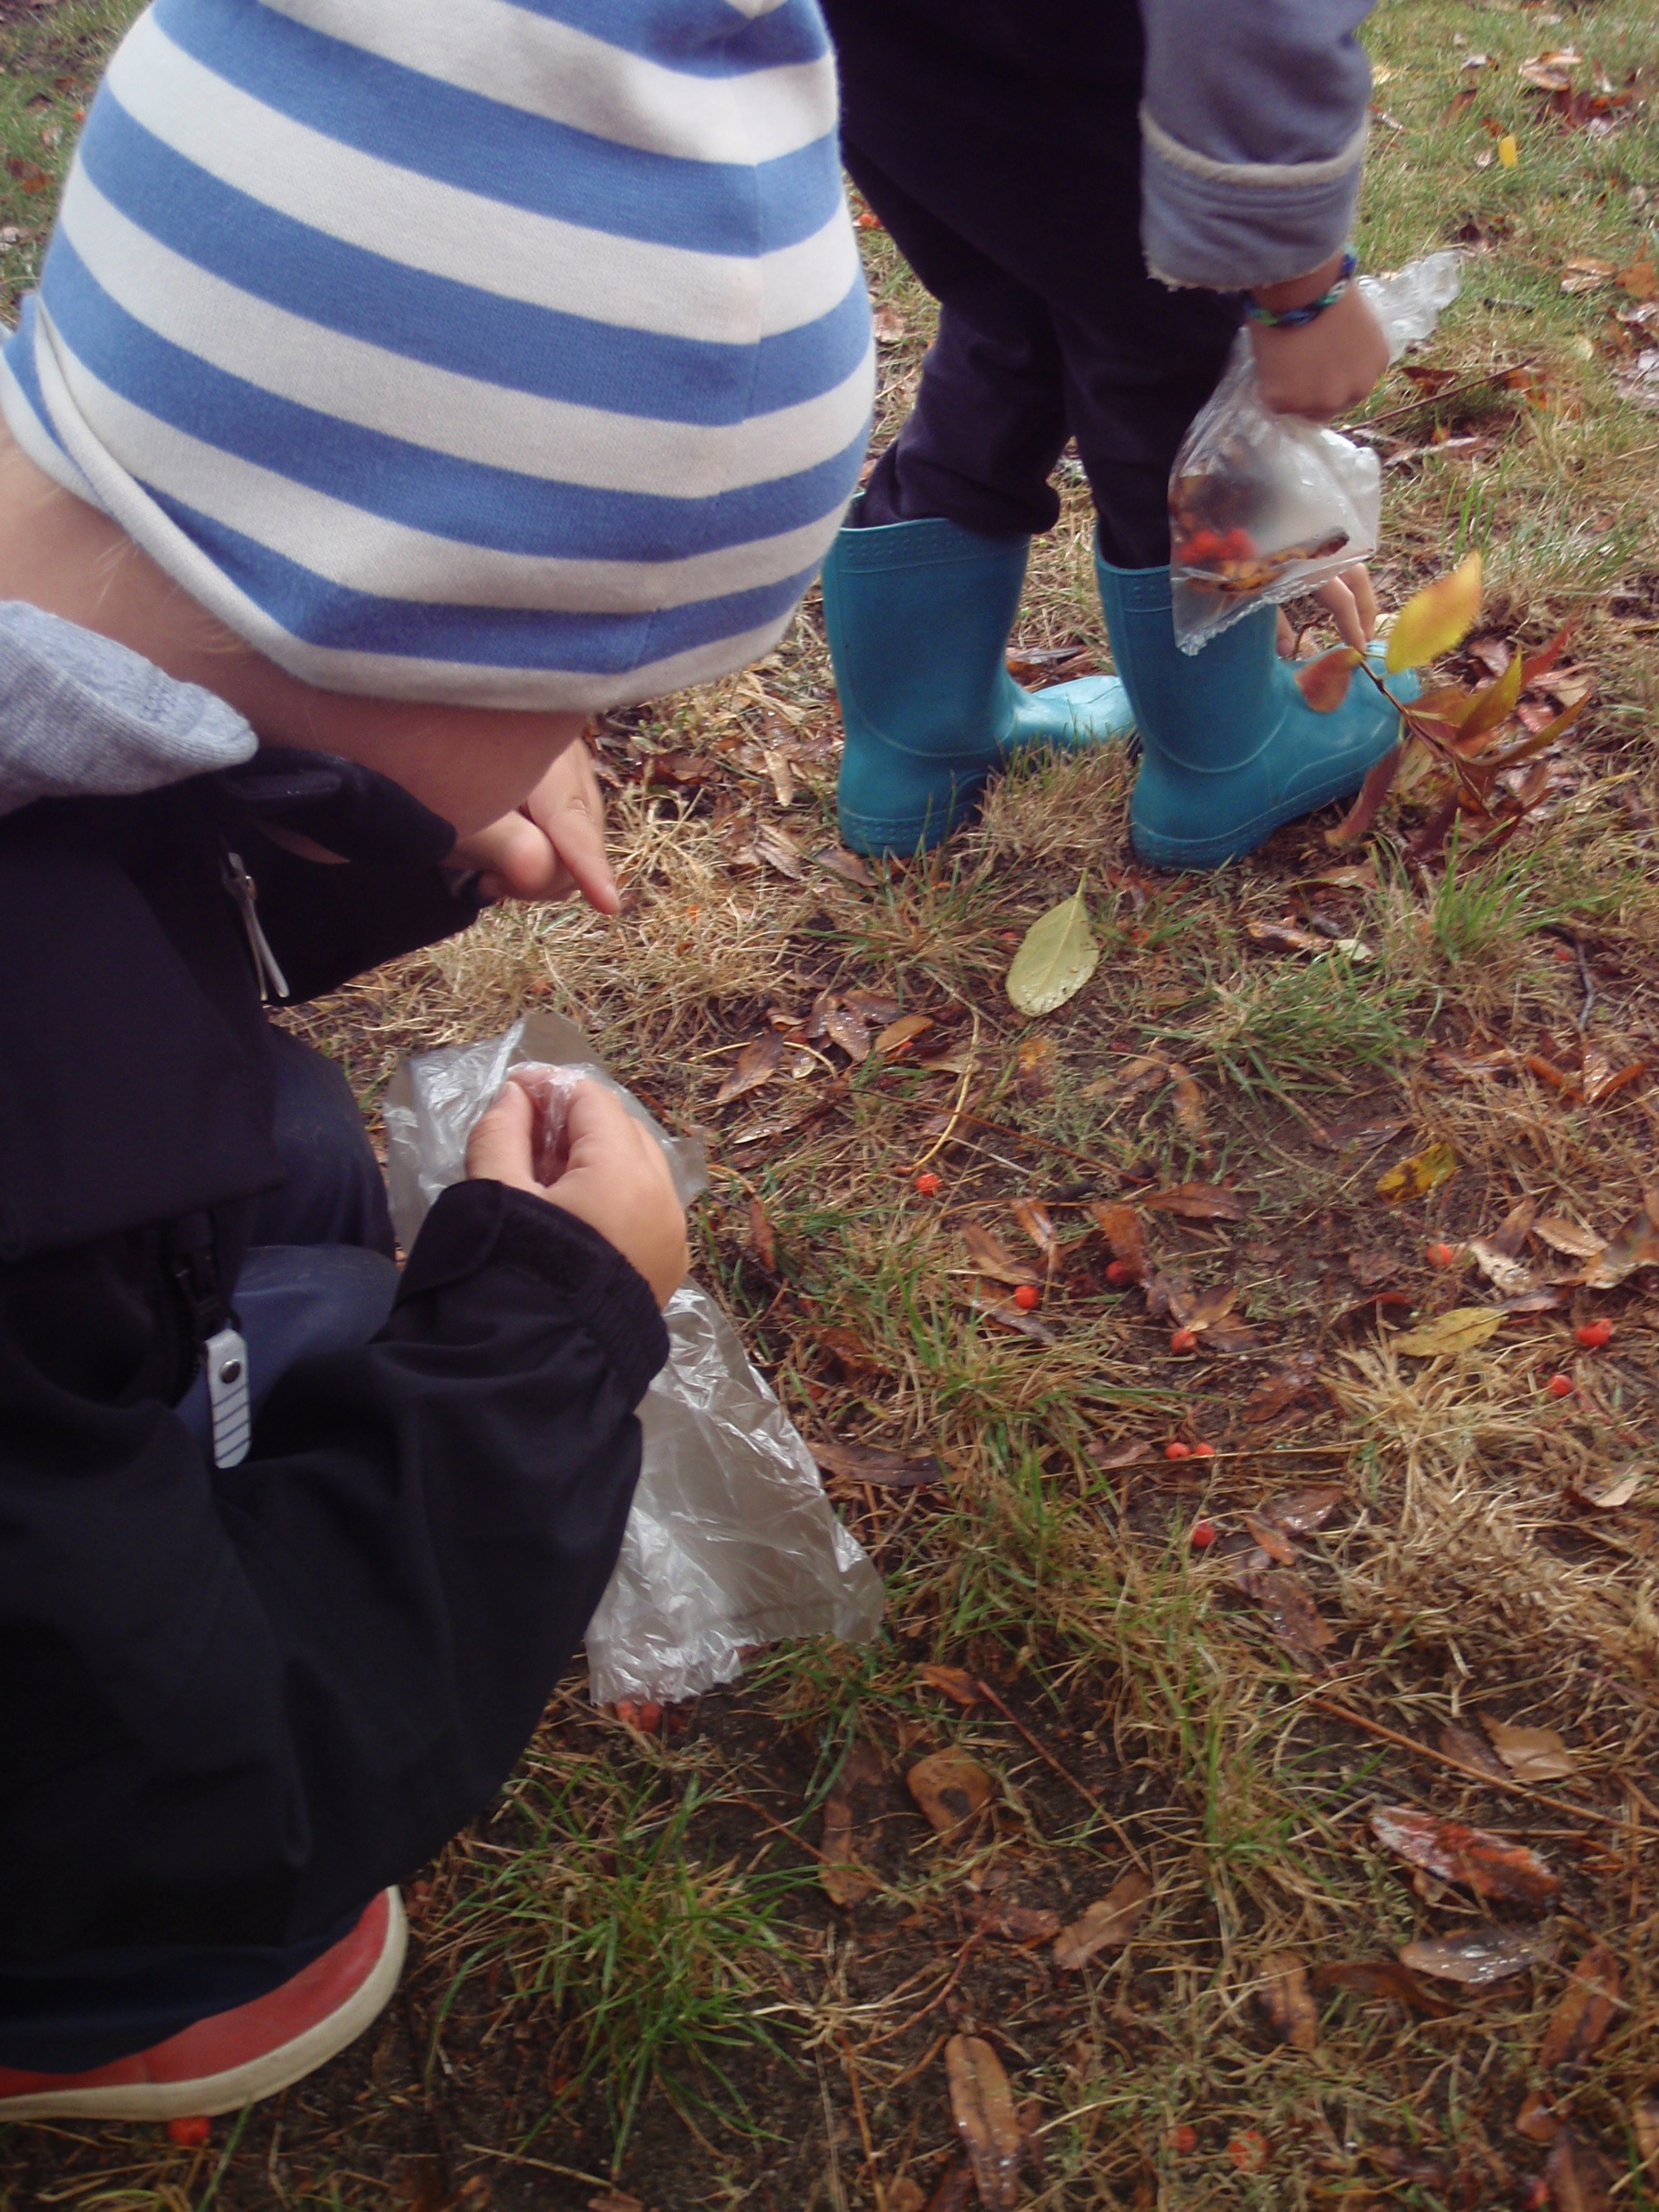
{"type": "Point", "coordinates": [1254, 122]}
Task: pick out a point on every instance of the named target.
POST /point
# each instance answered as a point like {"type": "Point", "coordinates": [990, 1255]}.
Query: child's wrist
{"type": "Point", "coordinates": [1302, 299]}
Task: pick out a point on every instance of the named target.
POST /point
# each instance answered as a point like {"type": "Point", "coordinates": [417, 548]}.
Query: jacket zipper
{"type": "Point", "coordinates": [273, 984]}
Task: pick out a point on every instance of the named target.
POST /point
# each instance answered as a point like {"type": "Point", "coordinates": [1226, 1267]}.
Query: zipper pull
{"type": "Point", "coordinates": [273, 984]}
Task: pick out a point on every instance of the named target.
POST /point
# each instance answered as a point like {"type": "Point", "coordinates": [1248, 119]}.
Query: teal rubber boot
{"type": "Point", "coordinates": [918, 615]}
{"type": "Point", "coordinates": [1230, 748]}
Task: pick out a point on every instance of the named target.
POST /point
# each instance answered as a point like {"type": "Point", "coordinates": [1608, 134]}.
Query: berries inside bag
{"type": "Point", "coordinates": [1263, 506]}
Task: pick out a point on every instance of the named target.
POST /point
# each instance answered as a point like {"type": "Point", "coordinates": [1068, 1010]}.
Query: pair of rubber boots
{"type": "Point", "coordinates": [918, 615]}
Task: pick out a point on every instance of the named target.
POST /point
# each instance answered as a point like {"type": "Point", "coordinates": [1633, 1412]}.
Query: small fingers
{"type": "Point", "coordinates": [499, 1147]}
{"type": "Point", "coordinates": [1338, 601]}
{"type": "Point", "coordinates": [1285, 636]}
{"type": "Point", "coordinates": [567, 807]}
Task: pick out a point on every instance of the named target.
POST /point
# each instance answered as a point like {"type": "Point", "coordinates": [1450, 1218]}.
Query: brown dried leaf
{"type": "Point", "coordinates": [1189, 1100]}
{"type": "Point", "coordinates": [1039, 1062]}
{"type": "Point", "coordinates": [1644, 2126]}
{"type": "Point", "coordinates": [1285, 937]}
{"type": "Point", "coordinates": [1636, 1245]}
{"type": "Point", "coordinates": [1531, 1754]}
{"type": "Point", "coordinates": [955, 1682]}
{"type": "Point", "coordinates": [1284, 1996]}
{"type": "Point", "coordinates": [1578, 2179]}
{"type": "Point", "coordinates": [1293, 1617]}
{"type": "Point", "coordinates": [1014, 1923]}
{"type": "Point", "coordinates": [1301, 1511]}
{"type": "Point", "coordinates": [1291, 1380]}
{"type": "Point", "coordinates": [1514, 1230]}
{"type": "Point", "coordinates": [953, 1790]}
{"type": "Point", "coordinates": [1607, 1497]}
{"type": "Point", "coordinates": [1537, 2119]}
{"type": "Point", "coordinates": [1476, 1957]}
{"type": "Point", "coordinates": [1272, 1539]}
{"type": "Point", "coordinates": [848, 866]}
{"type": "Point", "coordinates": [1381, 1978]}
{"type": "Point", "coordinates": [1120, 1227]}
{"type": "Point", "coordinates": [762, 1237]}
{"type": "Point", "coordinates": [1111, 1920]}
{"type": "Point", "coordinates": [874, 1006]}
{"type": "Point", "coordinates": [756, 1064]}
{"type": "Point", "coordinates": [845, 1882]}
{"type": "Point", "coordinates": [777, 1125]}
{"type": "Point", "coordinates": [903, 1032]}
{"type": "Point", "coordinates": [1197, 1202]}
{"type": "Point", "coordinates": [982, 2104]}
{"type": "Point", "coordinates": [614, 2200]}
{"type": "Point", "coordinates": [1036, 1222]}
{"type": "Point", "coordinates": [1123, 1455]}
{"type": "Point", "coordinates": [776, 848]}
{"type": "Point", "coordinates": [864, 1462]}
{"type": "Point", "coordinates": [993, 1258]}
{"type": "Point", "coordinates": [958, 1060]}
{"type": "Point", "coordinates": [1474, 1750]}
{"type": "Point", "coordinates": [1602, 1080]}
{"type": "Point", "coordinates": [1585, 2013]}
{"type": "Point", "coordinates": [1488, 1864]}
{"type": "Point", "coordinates": [848, 1030]}
{"type": "Point", "coordinates": [1513, 1277]}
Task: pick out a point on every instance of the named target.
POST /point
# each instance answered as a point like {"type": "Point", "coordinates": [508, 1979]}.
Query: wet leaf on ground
{"type": "Point", "coordinates": [1038, 1062]}
{"type": "Point", "coordinates": [1271, 1539]}
{"type": "Point", "coordinates": [756, 1064]}
{"type": "Point", "coordinates": [1284, 1996]}
{"type": "Point", "coordinates": [992, 1257]}
{"type": "Point", "coordinates": [983, 2105]}
{"type": "Point", "coordinates": [1476, 1957]}
{"type": "Point", "coordinates": [1300, 1511]}
{"type": "Point", "coordinates": [903, 1032]}
{"type": "Point", "coordinates": [1057, 955]}
{"type": "Point", "coordinates": [1587, 2011]}
{"type": "Point", "coordinates": [1459, 1742]}
{"type": "Point", "coordinates": [1416, 1176]}
{"type": "Point", "coordinates": [1382, 1978]}
{"type": "Point", "coordinates": [1120, 1227]}
{"type": "Point", "coordinates": [1110, 1921]}
{"type": "Point", "coordinates": [1038, 1225]}
{"type": "Point", "coordinates": [1014, 1923]}
{"type": "Point", "coordinates": [1293, 1617]}
{"type": "Point", "coordinates": [849, 1030]}
{"type": "Point", "coordinates": [1490, 1866]}
{"type": "Point", "coordinates": [955, 1682]}
{"type": "Point", "coordinates": [866, 1463]}
{"type": "Point", "coordinates": [1636, 1245]}
{"type": "Point", "coordinates": [1465, 1328]}
{"type": "Point", "coordinates": [845, 1882]}
{"type": "Point", "coordinates": [953, 1790]}
{"type": "Point", "coordinates": [1531, 1754]}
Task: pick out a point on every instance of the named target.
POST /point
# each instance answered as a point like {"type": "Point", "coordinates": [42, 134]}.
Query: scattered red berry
{"type": "Point", "coordinates": [1203, 1451]}
{"type": "Point", "coordinates": [1564, 952]}
{"type": "Point", "coordinates": [1027, 1297]}
{"type": "Point", "coordinates": [1559, 1386]}
{"type": "Point", "coordinates": [1441, 1255]}
{"type": "Point", "coordinates": [1119, 1271]}
{"type": "Point", "coordinates": [1182, 2140]}
{"type": "Point", "coordinates": [929, 1185]}
{"type": "Point", "coordinates": [645, 1714]}
{"type": "Point", "coordinates": [190, 2134]}
{"type": "Point", "coordinates": [1594, 1334]}
{"type": "Point", "coordinates": [1201, 1536]}
{"type": "Point", "coordinates": [1178, 1450]}
{"type": "Point", "coordinates": [1183, 1340]}
{"type": "Point", "coordinates": [1249, 2151]}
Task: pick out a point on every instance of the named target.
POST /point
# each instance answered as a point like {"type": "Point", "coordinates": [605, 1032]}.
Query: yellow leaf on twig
{"type": "Point", "coordinates": [1439, 616]}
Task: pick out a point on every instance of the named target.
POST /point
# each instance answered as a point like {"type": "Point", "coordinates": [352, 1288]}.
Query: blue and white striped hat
{"type": "Point", "coordinates": [506, 352]}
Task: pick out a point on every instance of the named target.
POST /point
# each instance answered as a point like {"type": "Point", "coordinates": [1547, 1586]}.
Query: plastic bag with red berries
{"type": "Point", "coordinates": [1265, 507]}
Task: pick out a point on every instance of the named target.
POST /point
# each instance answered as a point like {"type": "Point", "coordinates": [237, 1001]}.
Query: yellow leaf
{"type": "Point", "coordinates": [1439, 616]}
{"type": "Point", "coordinates": [1507, 152]}
{"type": "Point", "coordinates": [1416, 1176]}
{"type": "Point", "coordinates": [1465, 1328]}
{"type": "Point", "coordinates": [1058, 958]}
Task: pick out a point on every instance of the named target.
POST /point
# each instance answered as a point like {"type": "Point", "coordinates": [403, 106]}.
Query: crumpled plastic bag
{"type": "Point", "coordinates": [1264, 507]}
{"type": "Point", "coordinates": [731, 1541]}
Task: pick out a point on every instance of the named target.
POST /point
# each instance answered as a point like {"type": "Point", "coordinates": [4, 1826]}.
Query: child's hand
{"type": "Point", "coordinates": [554, 845]}
{"type": "Point", "coordinates": [1323, 367]}
{"type": "Point", "coordinates": [1350, 600]}
{"type": "Point", "coordinates": [617, 1180]}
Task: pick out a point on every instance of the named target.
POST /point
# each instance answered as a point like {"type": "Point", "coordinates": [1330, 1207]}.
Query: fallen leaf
{"type": "Point", "coordinates": [849, 1030]}
{"type": "Point", "coordinates": [1293, 1617]}
{"type": "Point", "coordinates": [958, 1060]}
{"type": "Point", "coordinates": [1301, 1511]}
{"type": "Point", "coordinates": [844, 1881]}
{"type": "Point", "coordinates": [1636, 1246]}
{"type": "Point", "coordinates": [1641, 279]}
{"type": "Point", "coordinates": [1416, 1176]}
{"type": "Point", "coordinates": [992, 1257]}
{"type": "Point", "coordinates": [1602, 1080]}
{"type": "Point", "coordinates": [1516, 1226]}
{"type": "Point", "coordinates": [1509, 150]}
{"type": "Point", "coordinates": [1057, 955]}
{"type": "Point", "coordinates": [848, 866]}
{"type": "Point", "coordinates": [1324, 683]}
{"type": "Point", "coordinates": [1014, 1924]}
{"type": "Point", "coordinates": [1271, 1539]}
{"type": "Point", "coordinates": [1111, 1920]}
{"type": "Point", "coordinates": [952, 1790]}
{"type": "Point", "coordinates": [1585, 2013]}
{"type": "Point", "coordinates": [954, 1682]}
{"type": "Point", "coordinates": [761, 1236]}
{"type": "Point", "coordinates": [1197, 1202]}
{"type": "Point", "coordinates": [29, 175]}
{"type": "Point", "coordinates": [1476, 1957]}
{"type": "Point", "coordinates": [1189, 1100]}
{"type": "Point", "coordinates": [1120, 1227]}
{"type": "Point", "coordinates": [756, 1064]}
{"type": "Point", "coordinates": [1284, 1996]}
{"type": "Point", "coordinates": [1381, 1978]}
{"type": "Point", "coordinates": [864, 1462]}
{"type": "Point", "coordinates": [1437, 618]}
{"type": "Point", "coordinates": [1578, 2180]}
{"type": "Point", "coordinates": [777, 1125]}
{"type": "Point", "coordinates": [1465, 1328]}
{"type": "Point", "coordinates": [778, 849]}
{"type": "Point", "coordinates": [1488, 1864]}
{"type": "Point", "coordinates": [1531, 1754]}
{"type": "Point", "coordinates": [1537, 2119]}
{"type": "Point", "coordinates": [1124, 1455]}
{"type": "Point", "coordinates": [1007, 1314]}
{"type": "Point", "coordinates": [1285, 937]}
{"type": "Point", "coordinates": [1607, 1497]}
{"type": "Point", "coordinates": [1510, 1275]}
{"type": "Point", "coordinates": [1644, 2126]}
{"type": "Point", "coordinates": [1588, 273]}
{"type": "Point", "coordinates": [888, 325]}
{"type": "Point", "coordinates": [898, 1035]}
{"type": "Point", "coordinates": [982, 2104]}
{"type": "Point", "coordinates": [957, 2191]}
{"type": "Point", "coordinates": [1291, 1380]}
{"type": "Point", "coordinates": [1038, 1063]}
{"type": "Point", "coordinates": [1474, 1750]}
{"type": "Point", "coordinates": [1038, 1225]}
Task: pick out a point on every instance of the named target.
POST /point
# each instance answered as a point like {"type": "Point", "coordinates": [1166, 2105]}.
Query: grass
{"type": "Point", "coordinates": [629, 1971]}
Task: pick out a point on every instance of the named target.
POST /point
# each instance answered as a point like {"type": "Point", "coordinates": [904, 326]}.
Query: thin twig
{"type": "Point", "coordinates": [1438, 398]}
{"type": "Point", "coordinates": [1589, 983]}
{"type": "Point", "coordinates": [880, 2194]}
{"type": "Point", "coordinates": [949, 1130]}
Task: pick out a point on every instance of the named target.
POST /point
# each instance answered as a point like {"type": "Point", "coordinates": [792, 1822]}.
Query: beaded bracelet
{"type": "Point", "coordinates": [1295, 318]}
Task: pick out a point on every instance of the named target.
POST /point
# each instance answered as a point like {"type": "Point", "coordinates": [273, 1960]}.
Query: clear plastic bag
{"type": "Point", "coordinates": [1263, 506]}
{"type": "Point", "coordinates": [731, 1541]}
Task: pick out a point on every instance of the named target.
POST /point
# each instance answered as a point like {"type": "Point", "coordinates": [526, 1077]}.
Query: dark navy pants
{"type": "Point", "coordinates": [320, 1277]}
{"type": "Point", "coordinates": [998, 141]}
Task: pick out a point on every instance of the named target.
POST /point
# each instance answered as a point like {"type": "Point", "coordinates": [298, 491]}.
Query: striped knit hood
{"type": "Point", "coordinates": [509, 352]}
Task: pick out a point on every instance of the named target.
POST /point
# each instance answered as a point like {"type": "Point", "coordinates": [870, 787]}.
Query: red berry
{"type": "Point", "coordinates": [1594, 1334]}
{"type": "Point", "coordinates": [1559, 1386]}
{"type": "Point", "coordinates": [1238, 545]}
{"type": "Point", "coordinates": [1441, 1255]}
{"type": "Point", "coordinates": [1027, 1296]}
{"type": "Point", "coordinates": [1203, 1451]}
{"type": "Point", "coordinates": [190, 2134]}
{"type": "Point", "coordinates": [1183, 1340]}
{"type": "Point", "coordinates": [1203, 545]}
{"type": "Point", "coordinates": [1201, 1535]}
{"type": "Point", "coordinates": [1119, 1271]}
{"type": "Point", "coordinates": [1178, 1450]}
{"type": "Point", "coordinates": [1183, 2141]}
{"type": "Point", "coordinates": [928, 1185]}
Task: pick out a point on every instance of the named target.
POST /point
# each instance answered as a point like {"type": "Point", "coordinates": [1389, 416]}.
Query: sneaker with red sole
{"type": "Point", "coordinates": [231, 2059]}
